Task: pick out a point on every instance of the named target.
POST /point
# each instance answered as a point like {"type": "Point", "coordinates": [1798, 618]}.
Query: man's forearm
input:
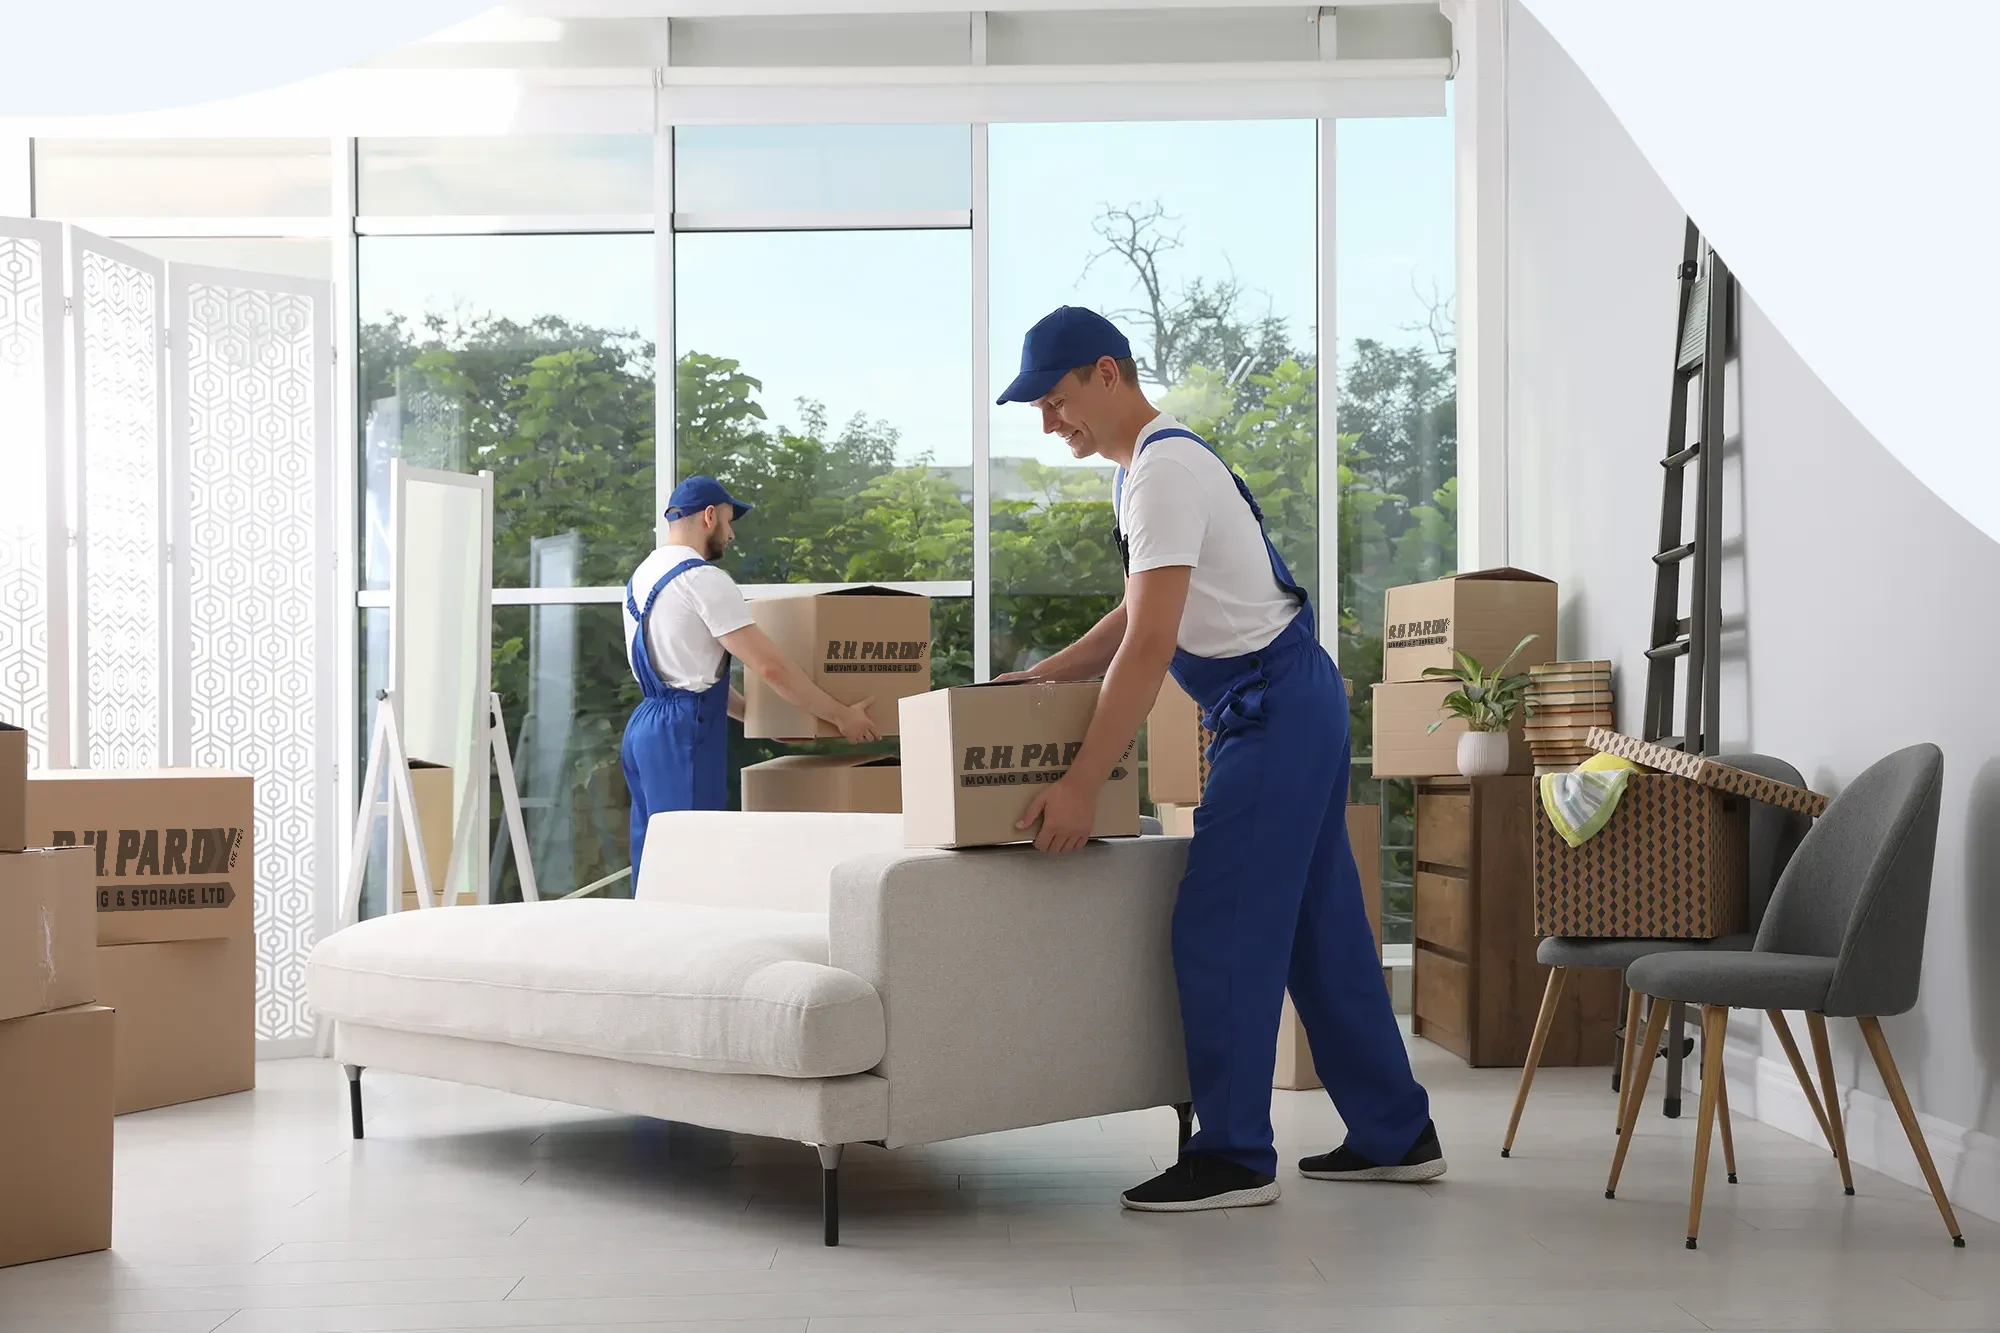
{"type": "Point", "coordinates": [796, 688]}
{"type": "Point", "coordinates": [1131, 684]}
{"type": "Point", "coordinates": [1090, 656]}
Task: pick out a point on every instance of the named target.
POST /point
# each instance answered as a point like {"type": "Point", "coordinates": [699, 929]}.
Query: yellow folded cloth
{"type": "Point", "coordinates": [1579, 804]}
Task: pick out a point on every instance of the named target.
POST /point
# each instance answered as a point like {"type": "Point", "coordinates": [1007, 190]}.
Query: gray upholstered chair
{"type": "Point", "coordinates": [1774, 836]}
{"type": "Point", "coordinates": [1843, 937]}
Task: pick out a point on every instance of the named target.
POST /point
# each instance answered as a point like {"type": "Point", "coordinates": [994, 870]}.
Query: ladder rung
{"type": "Point", "coordinates": [1684, 457]}
{"type": "Point", "coordinates": [1668, 651]}
{"type": "Point", "coordinates": [1675, 556]}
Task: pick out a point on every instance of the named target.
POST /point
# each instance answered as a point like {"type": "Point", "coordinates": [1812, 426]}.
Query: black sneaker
{"type": "Point", "coordinates": [1425, 1161]}
{"type": "Point", "coordinates": [1199, 1182]}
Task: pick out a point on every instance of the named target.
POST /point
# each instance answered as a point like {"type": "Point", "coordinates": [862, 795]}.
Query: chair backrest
{"type": "Point", "coordinates": [1774, 834]}
{"type": "Point", "coordinates": [1858, 890]}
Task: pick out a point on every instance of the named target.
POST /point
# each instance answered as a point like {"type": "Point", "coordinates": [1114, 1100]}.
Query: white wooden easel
{"type": "Point", "coordinates": [385, 749]}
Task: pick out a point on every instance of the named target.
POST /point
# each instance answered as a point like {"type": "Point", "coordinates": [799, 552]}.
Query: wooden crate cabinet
{"type": "Point", "coordinates": [1477, 986]}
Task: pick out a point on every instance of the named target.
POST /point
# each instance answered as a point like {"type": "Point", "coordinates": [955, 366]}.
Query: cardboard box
{"type": "Point", "coordinates": [974, 756]}
{"type": "Point", "coordinates": [430, 785]}
{"type": "Point", "coordinates": [13, 788]}
{"type": "Point", "coordinates": [856, 783]}
{"type": "Point", "coordinates": [1670, 865]}
{"type": "Point", "coordinates": [857, 643]}
{"type": "Point", "coordinates": [186, 1019]}
{"type": "Point", "coordinates": [55, 1135]}
{"type": "Point", "coordinates": [1484, 613]}
{"type": "Point", "coordinates": [1176, 821]}
{"type": "Point", "coordinates": [1176, 747]}
{"type": "Point", "coordinates": [48, 931]}
{"type": "Point", "coordinates": [1706, 772]}
{"type": "Point", "coordinates": [1404, 747]}
{"type": "Point", "coordinates": [173, 848]}
{"type": "Point", "coordinates": [1294, 1070]}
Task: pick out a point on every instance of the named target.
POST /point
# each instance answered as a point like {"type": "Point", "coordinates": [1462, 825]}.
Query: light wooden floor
{"type": "Point", "coordinates": [475, 1210]}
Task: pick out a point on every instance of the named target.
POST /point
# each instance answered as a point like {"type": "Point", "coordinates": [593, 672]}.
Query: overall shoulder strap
{"type": "Point", "coordinates": [640, 613]}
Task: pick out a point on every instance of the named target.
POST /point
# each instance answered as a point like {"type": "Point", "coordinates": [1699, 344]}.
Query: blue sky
{"type": "Point", "coordinates": [880, 322]}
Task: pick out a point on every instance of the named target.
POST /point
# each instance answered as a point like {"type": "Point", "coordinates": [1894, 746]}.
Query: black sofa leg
{"type": "Point", "coordinates": [829, 1174]}
{"type": "Point", "coordinates": [1185, 1110]}
{"type": "Point", "coordinates": [354, 1097]}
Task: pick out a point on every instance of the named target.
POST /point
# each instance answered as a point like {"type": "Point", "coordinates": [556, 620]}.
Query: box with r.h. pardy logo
{"type": "Point", "coordinates": [171, 859]}
{"type": "Point", "coordinates": [975, 756]}
{"type": "Point", "coordinates": [854, 643]}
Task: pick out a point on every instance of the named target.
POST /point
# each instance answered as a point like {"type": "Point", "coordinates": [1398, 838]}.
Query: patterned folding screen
{"type": "Point", "coordinates": [251, 426]}
{"type": "Point", "coordinates": [198, 592]}
{"type": "Point", "coordinates": [118, 327]}
{"type": "Point", "coordinates": [33, 532]}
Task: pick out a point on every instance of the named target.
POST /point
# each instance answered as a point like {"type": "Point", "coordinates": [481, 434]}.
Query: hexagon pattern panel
{"type": "Point", "coordinates": [30, 294]}
{"type": "Point", "coordinates": [250, 390]}
{"type": "Point", "coordinates": [120, 467]}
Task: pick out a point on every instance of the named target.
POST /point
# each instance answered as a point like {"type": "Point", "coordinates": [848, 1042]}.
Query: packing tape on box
{"type": "Point", "coordinates": [48, 959]}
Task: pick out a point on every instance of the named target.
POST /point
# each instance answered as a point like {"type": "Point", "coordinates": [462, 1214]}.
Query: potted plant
{"type": "Point", "coordinates": [1488, 702]}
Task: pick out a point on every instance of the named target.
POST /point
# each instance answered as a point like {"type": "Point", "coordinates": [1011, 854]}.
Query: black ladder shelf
{"type": "Point", "coordinates": [1707, 311]}
{"type": "Point", "coordinates": [1706, 302]}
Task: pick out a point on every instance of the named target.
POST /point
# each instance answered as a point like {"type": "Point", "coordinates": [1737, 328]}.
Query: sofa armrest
{"type": "Point", "coordinates": [1017, 988]}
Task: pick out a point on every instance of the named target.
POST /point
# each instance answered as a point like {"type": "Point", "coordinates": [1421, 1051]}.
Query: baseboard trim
{"type": "Point", "coordinates": [284, 1048]}
{"type": "Point", "coordinates": [1967, 1160]}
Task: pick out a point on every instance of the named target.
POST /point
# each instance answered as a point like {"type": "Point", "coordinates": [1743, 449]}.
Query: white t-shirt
{"type": "Point", "coordinates": [693, 612]}
{"type": "Point", "coordinates": [1182, 508]}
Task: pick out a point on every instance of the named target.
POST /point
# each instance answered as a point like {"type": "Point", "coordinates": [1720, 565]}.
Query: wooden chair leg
{"type": "Point", "coordinates": [1551, 997]}
{"type": "Point", "coordinates": [1635, 1018]}
{"type": "Point", "coordinates": [1784, 1031]}
{"type": "Point", "coordinates": [1885, 1064]}
{"type": "Point", "coordinates": [1816, 1029]}
{"type": "Point", "coordinates": [1714, 1021]}
{"type": "Point", "coordinates": [1656, 1022]}
{"type": "Point", "coordinates": [1722, 1115]}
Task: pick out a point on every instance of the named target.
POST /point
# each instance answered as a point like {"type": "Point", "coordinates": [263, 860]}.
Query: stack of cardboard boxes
{"type": "Point", "coordinates": [56, 1043]}
{"type": "Point", "coordinates": [1485, 615]}
{"type": "Point", "coordinates": [970, 758]}
{"type": "Point", "coordinates": [168, 854]}
{"type": "Point", "coordinates": [855, 643]}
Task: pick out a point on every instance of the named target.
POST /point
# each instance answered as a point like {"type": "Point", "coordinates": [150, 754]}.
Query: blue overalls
{"type": "Point", "coordinates": [1271, 899]}
{"type": "Point", "coordinates": [676, 747]}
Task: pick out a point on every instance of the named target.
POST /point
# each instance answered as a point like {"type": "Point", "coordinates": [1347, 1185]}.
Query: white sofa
{"type": "Point", "coordinates": [797, 976]}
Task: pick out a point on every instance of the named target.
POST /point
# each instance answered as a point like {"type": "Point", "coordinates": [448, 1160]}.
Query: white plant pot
{"type": "Point", "coordinates": [1483, 754]}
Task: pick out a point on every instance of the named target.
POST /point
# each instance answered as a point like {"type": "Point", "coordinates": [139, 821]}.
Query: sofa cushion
{"type": "Point", "coordinates": [726, 990]}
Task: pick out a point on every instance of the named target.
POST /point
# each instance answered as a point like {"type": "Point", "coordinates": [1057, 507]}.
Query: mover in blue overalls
{"type": "Point", "coordinates": [1271, 899]}
{"type": "Point", "coordinates": [681, 637]}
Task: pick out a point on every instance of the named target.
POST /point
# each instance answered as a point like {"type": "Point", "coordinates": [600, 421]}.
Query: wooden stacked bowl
{"type": "Point", "coordinates": [1565, 700]}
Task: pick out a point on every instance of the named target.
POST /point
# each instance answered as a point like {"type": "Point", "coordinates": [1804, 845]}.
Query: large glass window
{"type": "Point", "coordinates": [1199, 240]}
{"type": "Point", "coordinates": [827, 377]}
{"type": "Point", "coordinates": [527, 356]}
{"type": "Point", "coordinates": [207, 178]}
{"type": "Point", "coordinates": [808, 173]}
{"type": "Point", "coordinates": [566, 690]}
{"type": "Point", "coordinates": [1398, 423]}
{"type": "Point", "coordinates": [295, 256]}
{"type": "Point", "coordinates": [538, 175]}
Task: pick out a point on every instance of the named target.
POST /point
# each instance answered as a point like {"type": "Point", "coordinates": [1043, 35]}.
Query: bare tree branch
{"type": "Point", "coordinates": [1440, 322]}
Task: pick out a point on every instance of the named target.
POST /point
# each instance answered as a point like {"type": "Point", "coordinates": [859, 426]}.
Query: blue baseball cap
{"type": "Point", "coordinates": [698, 493]}
{"type": "Point", "coordinates": [1066, 339]}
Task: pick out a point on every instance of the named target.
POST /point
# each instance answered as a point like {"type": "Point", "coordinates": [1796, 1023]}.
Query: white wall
{"type": "Point", "coordinates": [1858, 606]}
